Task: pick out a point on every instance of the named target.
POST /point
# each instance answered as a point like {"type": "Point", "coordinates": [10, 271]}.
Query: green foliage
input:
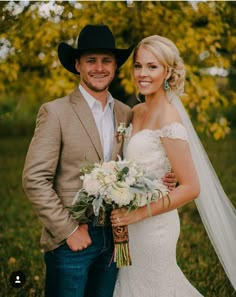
{"type": "Point", "coordinates": [81, 211]}
{"type": "Point", "coordinates": [204, 33]}
{"type": "Point", "coordinates": [20, 232]}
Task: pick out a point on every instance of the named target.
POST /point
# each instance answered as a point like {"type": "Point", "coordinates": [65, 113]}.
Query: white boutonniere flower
{"type": "Point", "coordinates": [120, 131]}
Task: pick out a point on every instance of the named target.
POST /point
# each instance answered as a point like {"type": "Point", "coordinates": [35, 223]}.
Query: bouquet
{"type": "Point", "coordinates": [110, 185]}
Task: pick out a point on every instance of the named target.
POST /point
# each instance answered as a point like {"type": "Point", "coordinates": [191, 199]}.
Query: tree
{"type": "Point", "coordinates": [30, 72]}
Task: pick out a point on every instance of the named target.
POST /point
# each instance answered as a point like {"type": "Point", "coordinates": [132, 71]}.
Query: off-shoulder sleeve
{"type": "Point", "coordinates": [175, 131]}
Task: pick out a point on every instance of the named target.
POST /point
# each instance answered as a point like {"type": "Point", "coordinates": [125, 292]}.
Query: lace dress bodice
{"type": "Point", "coordinates": [146, 148]}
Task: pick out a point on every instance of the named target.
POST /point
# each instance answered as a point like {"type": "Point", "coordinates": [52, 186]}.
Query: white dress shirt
{"type": "Point", "coordinates": [104, 120]}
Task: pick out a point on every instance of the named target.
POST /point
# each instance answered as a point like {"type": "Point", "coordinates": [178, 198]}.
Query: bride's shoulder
{"type": "Point", "coordinates": [172, 126]}
{"type": "Point", "coordinates": [170, 116]}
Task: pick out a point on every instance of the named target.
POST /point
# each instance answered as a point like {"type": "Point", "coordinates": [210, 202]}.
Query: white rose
{"type": "Point", "coordinates": [91, 184]}
{"type": "Point", "coordinates": [121, 194]}
{"type": "Point", "coordinates": [109, 179]}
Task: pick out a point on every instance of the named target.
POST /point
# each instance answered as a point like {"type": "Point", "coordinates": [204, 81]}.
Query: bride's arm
{"type": "Point", "coordinates": [179, 155]}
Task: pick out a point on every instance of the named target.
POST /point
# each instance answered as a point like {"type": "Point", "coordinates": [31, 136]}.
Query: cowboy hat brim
{"type": "Point", "coordinates": [67, 55]}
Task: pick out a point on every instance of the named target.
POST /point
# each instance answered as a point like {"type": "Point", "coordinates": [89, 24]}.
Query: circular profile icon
{"type": "Point", "coordinates": [17, 279]}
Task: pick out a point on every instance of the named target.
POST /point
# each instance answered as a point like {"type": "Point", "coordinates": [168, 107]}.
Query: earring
{"type": "Point", "coordinates": [166, 85]}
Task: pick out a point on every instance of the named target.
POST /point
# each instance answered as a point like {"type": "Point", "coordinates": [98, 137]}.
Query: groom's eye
{"type": "Point", "coordinates": [107, 60]}
{"type": "Point", "coordinates": [91, 61]}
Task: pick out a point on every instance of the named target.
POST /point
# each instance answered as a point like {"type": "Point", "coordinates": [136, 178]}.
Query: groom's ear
{"type": "Point", "coordinates": [77, 66]}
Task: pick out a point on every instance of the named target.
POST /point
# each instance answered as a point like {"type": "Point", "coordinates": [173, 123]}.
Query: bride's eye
{"type": "Point", "coordinates": [137, 66]}
{"type": "Point", "coordinates": [152, 67]}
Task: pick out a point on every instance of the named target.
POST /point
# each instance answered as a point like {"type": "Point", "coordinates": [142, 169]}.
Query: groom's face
{"type": "Point", "coordinates": [97, 70]}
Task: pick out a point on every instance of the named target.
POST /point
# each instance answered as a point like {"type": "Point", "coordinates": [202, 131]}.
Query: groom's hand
{"type": "Point", "coordinates": [170, 180]}
{"type": "Point", "coordinates": [79, 239]}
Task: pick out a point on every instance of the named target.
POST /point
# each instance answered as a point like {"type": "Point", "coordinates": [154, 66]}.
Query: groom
{"type": "Point", "coordinates": [69, 131]}
{"type": "Point", "coordinates": [81, 126]}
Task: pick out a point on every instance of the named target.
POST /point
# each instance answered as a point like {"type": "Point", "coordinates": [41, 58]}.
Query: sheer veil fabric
{"type": "Point", "coordinates": [216, 211]}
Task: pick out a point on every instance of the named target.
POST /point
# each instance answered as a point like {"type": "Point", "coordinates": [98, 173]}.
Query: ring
{"type": "Point", "coordinates": [118, 220]}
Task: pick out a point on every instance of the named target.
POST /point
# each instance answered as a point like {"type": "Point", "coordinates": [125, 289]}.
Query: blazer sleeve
{"type": "Point", "coordinates": [39, 172]}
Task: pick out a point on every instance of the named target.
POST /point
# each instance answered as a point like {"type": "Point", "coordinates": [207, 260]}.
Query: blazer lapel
{"type": "Point", "coordinates": [86, 118]}
{"type": "Point", "coordinates": [116, 143]}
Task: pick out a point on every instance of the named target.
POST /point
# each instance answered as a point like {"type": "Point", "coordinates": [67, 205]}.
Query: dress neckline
{"type": "Point", "coordinates": [153, 130]}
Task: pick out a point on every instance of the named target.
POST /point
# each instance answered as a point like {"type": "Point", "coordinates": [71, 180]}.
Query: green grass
{"type": "Point", "coordinates": [20, 229]}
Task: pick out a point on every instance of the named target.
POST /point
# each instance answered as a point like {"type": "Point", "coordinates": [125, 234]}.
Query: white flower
{"type": "Point", "coordinates": [130, 180]}
{"type": "Point", "coordinates": [120, 194]}
{"type": "Point", "coordinates": [120, 132]}
{"type": "Point", "coordinates": [133, 171]}
{"type": "Point", "coordinates": [120, 183]}
{"type": "Point", "coordinates": [121, 128]}
{"type": "Point", "coordinates": [108, 165]}
{"type": "Point", "coordinates": [91, 184]}
{"type": "Point", "coordinates": [108, 179]}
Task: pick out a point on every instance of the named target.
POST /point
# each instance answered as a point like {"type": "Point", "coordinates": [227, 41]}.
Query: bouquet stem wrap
{"type": "Point", "coordinates": [121, 246]}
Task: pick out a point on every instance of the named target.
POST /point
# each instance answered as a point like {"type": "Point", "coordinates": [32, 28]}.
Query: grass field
{"type": "Point", "coordinates": [20, 229]}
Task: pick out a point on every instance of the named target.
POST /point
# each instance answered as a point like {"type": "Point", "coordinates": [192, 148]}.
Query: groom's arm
{"type": "Point", "coordinates": [39, 174]}
{"type": "Point", "coordinates": [170, 180]}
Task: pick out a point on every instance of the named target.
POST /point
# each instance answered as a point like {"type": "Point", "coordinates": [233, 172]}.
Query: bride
{"type": "Point", "coordinates": [160, 139]}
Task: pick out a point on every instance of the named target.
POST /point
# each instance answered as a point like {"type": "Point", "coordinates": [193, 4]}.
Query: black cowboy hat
{"type": "Point", "coordinates": [91, 37]}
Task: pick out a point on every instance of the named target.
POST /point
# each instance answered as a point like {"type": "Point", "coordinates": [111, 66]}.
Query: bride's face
{"type": "Point", "coordinates": [149, 74]}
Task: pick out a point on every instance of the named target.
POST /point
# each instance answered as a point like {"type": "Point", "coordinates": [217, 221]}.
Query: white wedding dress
{"type": "Point", "coordinates": [154, 271]}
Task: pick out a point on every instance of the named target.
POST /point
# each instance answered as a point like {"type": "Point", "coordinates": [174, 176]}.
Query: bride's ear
{"type": "Point", "coordinates": [168, 73]}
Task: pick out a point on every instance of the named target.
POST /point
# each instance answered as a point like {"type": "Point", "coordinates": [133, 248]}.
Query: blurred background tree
{"type": "Point", "coordinates": [30, 73]}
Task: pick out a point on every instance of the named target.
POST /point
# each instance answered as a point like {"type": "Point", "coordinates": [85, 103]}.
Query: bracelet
{"type": "Point", "coordinates": [149, 209]}
{"type": "Point", "coordinates": [168, 197]}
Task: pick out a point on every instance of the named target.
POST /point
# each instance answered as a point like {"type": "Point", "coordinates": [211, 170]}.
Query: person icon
{"type": "Point", "coordinates": [17, 281]}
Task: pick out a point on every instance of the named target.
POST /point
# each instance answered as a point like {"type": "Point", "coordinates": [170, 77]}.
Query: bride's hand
{"type": "Point", "coordinates": [121, 217]}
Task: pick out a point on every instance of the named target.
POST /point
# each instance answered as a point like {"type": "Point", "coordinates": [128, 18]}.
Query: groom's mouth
{"type": "Point", "coordinates": [98, 76]}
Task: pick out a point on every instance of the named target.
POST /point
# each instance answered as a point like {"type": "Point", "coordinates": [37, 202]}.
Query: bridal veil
{"type": "Point", "coordinates": [216, 211]}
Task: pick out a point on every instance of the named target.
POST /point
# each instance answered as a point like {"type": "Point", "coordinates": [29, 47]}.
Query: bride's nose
{"type": "Point", "coordinates": [143, 71]}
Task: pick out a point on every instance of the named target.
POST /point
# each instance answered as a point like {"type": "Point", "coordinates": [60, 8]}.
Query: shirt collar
{"type": "Point", "coordinates": [92, 101]}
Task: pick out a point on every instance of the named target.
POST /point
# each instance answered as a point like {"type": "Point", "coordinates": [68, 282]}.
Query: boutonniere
{"type": "Point", "coordinates": [120, 132]}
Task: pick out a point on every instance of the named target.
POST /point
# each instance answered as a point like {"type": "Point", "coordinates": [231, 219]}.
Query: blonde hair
{"type": "Point", "coordinates": [168, 54]}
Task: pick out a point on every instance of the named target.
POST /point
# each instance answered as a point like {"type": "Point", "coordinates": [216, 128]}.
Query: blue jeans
{"type": "Point", "coordinates": [87, 273]}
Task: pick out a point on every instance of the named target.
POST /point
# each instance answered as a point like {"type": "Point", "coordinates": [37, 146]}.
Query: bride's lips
{"type": "Point", "coordinates": [144, 83]}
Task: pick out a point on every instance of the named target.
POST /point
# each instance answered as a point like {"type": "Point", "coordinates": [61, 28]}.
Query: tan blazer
{"type": "Point", "coordinates": [65, 137]}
